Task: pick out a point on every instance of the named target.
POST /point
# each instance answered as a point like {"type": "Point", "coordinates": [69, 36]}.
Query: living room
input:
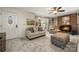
{"type": "Point", "coordinates": [38, 29]}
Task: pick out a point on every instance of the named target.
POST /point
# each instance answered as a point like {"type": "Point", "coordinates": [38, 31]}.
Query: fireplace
{"type": "Point", "coordinates": [65, 28]}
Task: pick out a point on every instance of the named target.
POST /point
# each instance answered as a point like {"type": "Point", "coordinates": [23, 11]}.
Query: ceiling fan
{"type": "Point", "coordinates": [56, 10]}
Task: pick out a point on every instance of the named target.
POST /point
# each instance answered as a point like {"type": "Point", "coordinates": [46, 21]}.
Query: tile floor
{"type": "Point", "coordinates": [41, 44]}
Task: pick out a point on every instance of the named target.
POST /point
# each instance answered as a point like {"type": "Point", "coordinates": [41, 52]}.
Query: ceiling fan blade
{"type": "Point", "coordinates": [61, 10]}
{"type": "Point", "coordinates": [59, 7]}
{"type": "Point", "coordinates": [50, 12]}
{"type": "Point", "coordinates": [54, 8]}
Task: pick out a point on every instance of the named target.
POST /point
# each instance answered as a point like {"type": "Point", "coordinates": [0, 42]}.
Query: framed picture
{"type": "Point", "coordinates": [65, 20]}
{"type": "Point", "coordinates": [30, 22]}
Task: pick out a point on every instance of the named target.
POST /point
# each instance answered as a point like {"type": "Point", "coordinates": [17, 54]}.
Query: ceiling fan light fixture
{"type": "Point", "coordinates": [55, 12]}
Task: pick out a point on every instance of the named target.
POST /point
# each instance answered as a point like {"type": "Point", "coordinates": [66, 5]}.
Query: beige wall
{"type": "Point", "coordinates": [21, 18]}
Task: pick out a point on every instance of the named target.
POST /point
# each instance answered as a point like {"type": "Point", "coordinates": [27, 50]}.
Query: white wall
{"type": "Point", "coordinates": [21, 19]}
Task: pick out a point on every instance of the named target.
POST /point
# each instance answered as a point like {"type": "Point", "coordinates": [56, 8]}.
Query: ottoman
{"type": "Point", "coordinates": [60, 39]}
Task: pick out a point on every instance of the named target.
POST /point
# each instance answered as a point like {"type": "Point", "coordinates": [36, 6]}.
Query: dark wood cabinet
{"type": "Point", "coordinates": [2, 42]}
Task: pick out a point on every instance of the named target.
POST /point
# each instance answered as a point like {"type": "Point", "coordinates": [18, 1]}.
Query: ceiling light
{"type": "Point", "coordinates": [55, 12]}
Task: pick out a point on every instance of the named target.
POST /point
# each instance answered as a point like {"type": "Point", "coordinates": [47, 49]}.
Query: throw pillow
{"type": "Point", "coordinates": [31, 29]}
{"type": "Point", "coordinates": [40, 29]}
{"type": "Point", "coordinates": [35, 29]}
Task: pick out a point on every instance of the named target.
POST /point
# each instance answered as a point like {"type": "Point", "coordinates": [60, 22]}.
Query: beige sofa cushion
{"type": "Point", "coordinates": [37, 33]}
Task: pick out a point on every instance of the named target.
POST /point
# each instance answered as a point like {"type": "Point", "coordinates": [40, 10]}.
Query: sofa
{"type": "Point", "coordinates": [34, 32]}
{"type": "Point", "coordinates": [60, 39]}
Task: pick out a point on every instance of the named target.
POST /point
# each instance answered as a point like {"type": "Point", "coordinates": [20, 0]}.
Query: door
{"type": "Point", "coordinates": [9, 25]}
{"type": "Point", "coordinates": [0, 22]}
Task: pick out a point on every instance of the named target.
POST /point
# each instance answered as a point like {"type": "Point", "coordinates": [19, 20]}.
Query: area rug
{"type": "Point", "coordinates": [71, 47]}
{"type": "Point", "coordinates": [41, 44]}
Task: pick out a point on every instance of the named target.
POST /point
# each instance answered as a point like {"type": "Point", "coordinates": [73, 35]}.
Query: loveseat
{"type": "Point", "coordinates": [34, 32]}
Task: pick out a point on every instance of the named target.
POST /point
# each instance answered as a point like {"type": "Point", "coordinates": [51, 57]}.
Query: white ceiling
{"type": "Point", "coordinates": [43, 11]}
